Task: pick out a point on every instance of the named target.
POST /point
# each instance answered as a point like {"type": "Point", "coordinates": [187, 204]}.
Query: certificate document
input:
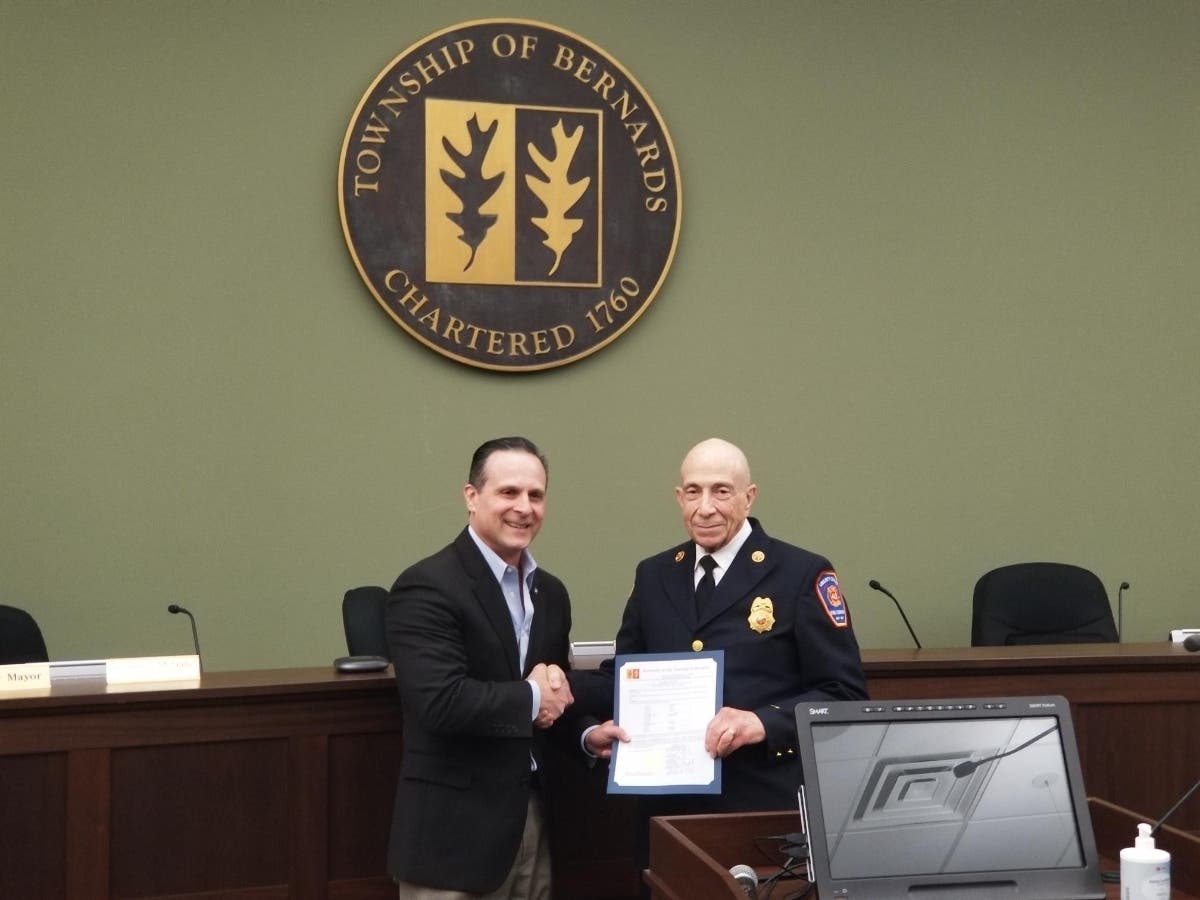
{"type": "Point", "coordinates": [665, 701]}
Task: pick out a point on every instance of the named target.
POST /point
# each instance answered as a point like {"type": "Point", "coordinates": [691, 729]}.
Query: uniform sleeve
{"type": "Point", "coordinates": [830, 664]}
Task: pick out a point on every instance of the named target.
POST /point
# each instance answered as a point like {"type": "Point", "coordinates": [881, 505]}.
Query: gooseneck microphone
{"type": "Point", "coordinates": [1120, 594]}
{"type": "Point", "coordinates": [1192, 643]}
{"type": "Point", "coordinates": [176, 608]}
{"type": "Point", "coordinates": [1180, 801]}
{"type": "Point", "coordinates": [876, 586]}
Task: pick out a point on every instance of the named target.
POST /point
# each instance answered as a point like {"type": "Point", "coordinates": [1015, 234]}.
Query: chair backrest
{"type": "Point", "coordinates": [20, 638]}
{"type": "Point", "coordinates": [1041, 603]}
{"type": "Point", "coordinates": [363, 610]}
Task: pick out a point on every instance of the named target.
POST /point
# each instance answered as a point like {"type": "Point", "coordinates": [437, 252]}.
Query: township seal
{"type": "Point", "coordinates": [509, 194]}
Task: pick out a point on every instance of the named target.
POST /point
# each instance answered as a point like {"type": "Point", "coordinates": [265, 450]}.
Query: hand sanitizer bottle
{"type": "Point", "coordinates": [1145, 870]}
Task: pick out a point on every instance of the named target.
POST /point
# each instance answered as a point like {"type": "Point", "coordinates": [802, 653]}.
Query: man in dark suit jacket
{"type": "Point", "coordinates": [775, 610]}
{"type": "Point", "coordinates": [479, 638]}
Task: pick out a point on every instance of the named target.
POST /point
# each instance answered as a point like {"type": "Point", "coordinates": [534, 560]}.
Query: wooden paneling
{"type": "Point", "coordinates": [279, 784]}
{"type": "Point", "coordinates": [363, 769]}
{"type": "Point", "coordinates": [199, 817]}
{"type": "Point", "coordinates": [226, 791]}
{"type": "Point", "coordinates": [87, 828]}
{"type": "Point", "coordinates": [32, 847]}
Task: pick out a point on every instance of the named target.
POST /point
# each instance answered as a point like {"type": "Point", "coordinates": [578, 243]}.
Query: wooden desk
{"type": "Point", "coordinates": [272, 785]}
{"type": "Point", "coordinates": [279, 784]}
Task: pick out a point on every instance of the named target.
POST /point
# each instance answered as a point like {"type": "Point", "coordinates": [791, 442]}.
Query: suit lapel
{"type": "Point", "coordinates": [679, 583]}
{"type": "Point", "coordinates": [490, 598]}
{"type": "Point", "coordinates": [751, 565]}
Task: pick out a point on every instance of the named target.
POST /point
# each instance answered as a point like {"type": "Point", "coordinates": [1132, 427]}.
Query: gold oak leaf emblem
{"type": "Point", "coordinates": [557, 192]}
{"type": "Point", "coordinates": [472, 188]}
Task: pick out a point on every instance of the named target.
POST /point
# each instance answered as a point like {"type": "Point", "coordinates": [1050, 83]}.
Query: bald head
{"type": "Point", "coordinates": [716, 452]}
{"type": "Point", "coordinates": [715, 492]}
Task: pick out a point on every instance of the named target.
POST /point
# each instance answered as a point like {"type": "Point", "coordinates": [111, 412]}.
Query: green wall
{"type": "Point", "coordinates": [938, 275]}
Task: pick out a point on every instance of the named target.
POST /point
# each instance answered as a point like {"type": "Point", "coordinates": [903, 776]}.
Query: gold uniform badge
{"type": "Point", "coordinates": [762, 615]}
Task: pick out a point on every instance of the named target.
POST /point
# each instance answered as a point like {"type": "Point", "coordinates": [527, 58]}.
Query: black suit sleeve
{"type": "Point", "coordinates": [450, 668]}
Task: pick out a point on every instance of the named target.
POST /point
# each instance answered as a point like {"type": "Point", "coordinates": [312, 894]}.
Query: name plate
{"type": "Point", "coordinates": [142, 669]}
{"type": "Point", "coordinates": [74, 669]}
{"type": "Point", "coordinates": [25, 677]}
{"type": "Point", "coordinates": [1179, 635]}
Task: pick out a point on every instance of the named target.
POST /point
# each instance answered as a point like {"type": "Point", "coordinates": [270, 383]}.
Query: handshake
{"type": "Point", "coordinates": [556, 693]}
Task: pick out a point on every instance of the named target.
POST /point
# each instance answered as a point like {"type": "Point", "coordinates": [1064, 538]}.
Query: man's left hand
{"type": "Point", "coordinates": [731, 729]}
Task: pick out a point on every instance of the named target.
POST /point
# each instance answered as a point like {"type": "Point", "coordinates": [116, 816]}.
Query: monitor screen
{"type": "Point", "coordinates": [972, 799]}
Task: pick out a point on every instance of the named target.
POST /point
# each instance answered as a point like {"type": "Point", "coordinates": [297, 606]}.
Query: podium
{"type": "Point", "coordinates": [690, 856]}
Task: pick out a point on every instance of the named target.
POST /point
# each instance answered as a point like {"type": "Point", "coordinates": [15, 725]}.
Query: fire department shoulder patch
{"type": "Point", "coordinates": [829, 592]}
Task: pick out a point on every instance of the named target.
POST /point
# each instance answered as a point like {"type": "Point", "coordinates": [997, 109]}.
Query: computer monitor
{"type": "Point", "coordinates": [977, 799]}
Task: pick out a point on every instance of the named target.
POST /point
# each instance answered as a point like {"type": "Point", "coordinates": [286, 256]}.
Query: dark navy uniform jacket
{"type": "Point", "coordinates": [796, 644]}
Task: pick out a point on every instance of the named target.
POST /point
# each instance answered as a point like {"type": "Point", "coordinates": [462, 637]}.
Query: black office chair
{"type": "Point", "coordinates": [363, 610]}
{"type": "Point", "coordinates": [20, 638]}
{"type": "Point", "coordinates": [1041, 603]}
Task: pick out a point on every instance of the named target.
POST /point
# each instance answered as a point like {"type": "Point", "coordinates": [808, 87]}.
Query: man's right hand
{"type": "Point", "coordinates": [555, 691]}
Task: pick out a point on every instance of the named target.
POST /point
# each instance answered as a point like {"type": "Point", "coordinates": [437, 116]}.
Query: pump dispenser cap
{"type": "Point", "coordinates": [1144, 840]}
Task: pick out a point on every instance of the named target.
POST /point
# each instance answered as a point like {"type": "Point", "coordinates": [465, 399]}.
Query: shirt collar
{"type": "Point", "coordinates": [724, 556]}
{"type": "Point", "coordinates": [499, 566]}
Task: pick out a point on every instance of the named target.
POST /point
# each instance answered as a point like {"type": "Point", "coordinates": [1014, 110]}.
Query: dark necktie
{"type": "Point", "coordinates": [705, 586]}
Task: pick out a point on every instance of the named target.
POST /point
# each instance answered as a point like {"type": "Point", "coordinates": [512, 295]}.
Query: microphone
{"type": "Point", "coordinates": [747, 879]}
{"type": "Point", "coordinates": [1120, 591]}
{"type": "Point", "coordinates": [876, 586]}
{"type": "Point", "coordinates": [1181, 800]}
{"type": "Point", "coordinates": [176, 608]}
{"type": "Point", "coordinates": [1192, 643]}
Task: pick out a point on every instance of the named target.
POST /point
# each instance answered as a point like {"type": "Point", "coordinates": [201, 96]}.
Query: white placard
{"type": "Point", "coordinates": [139, 669]}
{"type": "Point", "coordinates": [24, 677]}
{"type": "Point", "coordinates": [1179, 635]}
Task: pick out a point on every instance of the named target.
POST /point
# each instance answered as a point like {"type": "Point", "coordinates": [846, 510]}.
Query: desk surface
{"type": "Point", "coordinates": [1090, 656]}
{"type": "Point", "coordinates": [212, 685]}
{"type": "Point", "coordinates": [878, 664]}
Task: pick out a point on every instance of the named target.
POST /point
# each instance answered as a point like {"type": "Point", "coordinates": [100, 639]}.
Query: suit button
{"type": "Point", "coordinates": [697, 645]}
